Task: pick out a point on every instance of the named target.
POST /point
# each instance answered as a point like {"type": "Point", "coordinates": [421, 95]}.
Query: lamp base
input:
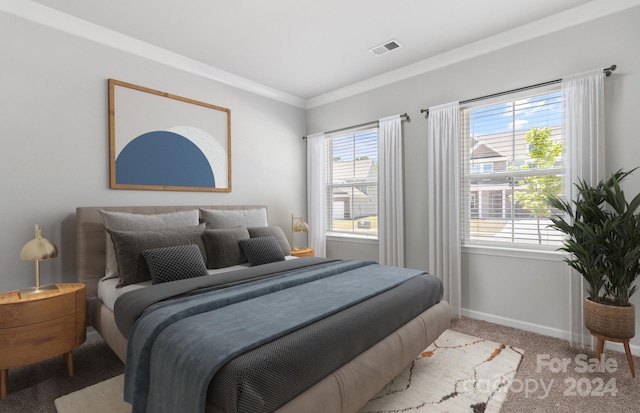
{"type": "Point", "coordinates": [36, 290]}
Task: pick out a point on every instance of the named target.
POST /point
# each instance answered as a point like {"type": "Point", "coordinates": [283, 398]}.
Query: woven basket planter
{"type": "Point", "coordinates": [610, 320]}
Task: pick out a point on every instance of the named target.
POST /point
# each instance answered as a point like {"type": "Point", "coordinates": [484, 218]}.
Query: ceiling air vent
{"type": "Point", "coordinates": [385, 47]}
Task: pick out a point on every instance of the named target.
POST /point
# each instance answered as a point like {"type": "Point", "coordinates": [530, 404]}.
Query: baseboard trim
{"type": "Point", "coordinates": [540, 329]}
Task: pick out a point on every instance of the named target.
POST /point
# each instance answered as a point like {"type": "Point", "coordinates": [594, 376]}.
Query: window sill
{"type": "Point", "coordinates": [546, 255]}
{"type": "Point", "coordinates": [362, 239]}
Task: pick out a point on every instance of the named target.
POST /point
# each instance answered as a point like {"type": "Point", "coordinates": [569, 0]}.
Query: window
{"type": "Point", "coordinates": [482, 168]}
{"type": "Point", "coordinates": [352, 183]}
{"type": "Point", "coordinates": [512, 155]}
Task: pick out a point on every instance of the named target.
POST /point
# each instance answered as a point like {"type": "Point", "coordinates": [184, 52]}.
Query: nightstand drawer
{"type": "Point", "coordinates": [32, 312]}
{"type": "Point", "coordinates": [35, 342]}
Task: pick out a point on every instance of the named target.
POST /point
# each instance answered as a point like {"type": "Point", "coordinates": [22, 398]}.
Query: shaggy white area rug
{"type": "Point", "coordinates": [458, 373]}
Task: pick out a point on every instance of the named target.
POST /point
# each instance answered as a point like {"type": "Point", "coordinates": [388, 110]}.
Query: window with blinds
{"type": "Point", "coordinates": [513, 154]}
{"type": "Point", "coordinates": [352, 183]}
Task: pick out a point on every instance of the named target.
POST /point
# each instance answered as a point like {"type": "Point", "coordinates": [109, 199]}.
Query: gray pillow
{"type": "Point", "coordinates": [230, 218]}
{"type": "Point", "coordinates": [130, 244]}
{"type": "Point", "coordinates": [262, 250]}
{"type": "Point", "coordinates": [175, 263]}
{"type": "Point", "coordinates": [274, 232]}
{"type": "Point", "coordinates": [222, 246]}
{"type": "Point", "coordinates": [125, 221]}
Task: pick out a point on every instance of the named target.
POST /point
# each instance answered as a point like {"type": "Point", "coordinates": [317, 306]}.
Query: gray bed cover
{"type": "Point", "coordinates": [267, 377]}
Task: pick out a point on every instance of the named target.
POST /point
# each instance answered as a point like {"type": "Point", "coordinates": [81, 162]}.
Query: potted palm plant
{"type": "Point", "coordinates": [603, 243]}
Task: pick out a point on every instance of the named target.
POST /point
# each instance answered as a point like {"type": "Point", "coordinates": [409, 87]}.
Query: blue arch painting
{"type": "Point", "coordinates": [165, 159]}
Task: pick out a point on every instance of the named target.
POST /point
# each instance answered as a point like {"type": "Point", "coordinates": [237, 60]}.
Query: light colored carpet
{"type": "Point", "coordinates": [104, 397]}
{"type": "Point", "coordinates": [458, 373]}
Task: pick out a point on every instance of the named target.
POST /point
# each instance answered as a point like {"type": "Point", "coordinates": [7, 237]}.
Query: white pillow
{"type": "Point", "coordinates": [125, 221]}
{"type": "Point", "coordinates": [230, 218]}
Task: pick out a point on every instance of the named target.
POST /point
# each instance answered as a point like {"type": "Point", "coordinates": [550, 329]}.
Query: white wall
{"type": "Point", "coordinates": [54, 134]}
{"type": "Point", "coordinates": [54, 157]}
{"type": "Point", "coordinates": [523, 290]}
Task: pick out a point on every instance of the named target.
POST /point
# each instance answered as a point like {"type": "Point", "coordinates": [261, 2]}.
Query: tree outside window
{"type": "Point", "coordinates": [544, 153]}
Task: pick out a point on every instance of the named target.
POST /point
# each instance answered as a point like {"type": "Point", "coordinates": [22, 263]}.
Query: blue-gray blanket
{"type": "Point", "coordinates": [174, 350]}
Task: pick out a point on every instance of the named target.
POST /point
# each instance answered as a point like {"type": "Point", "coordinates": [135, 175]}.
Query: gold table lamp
{"type": "Point", "coordinates": [38, 249]}
{"type": "Point", "coordinates": [297, 226]}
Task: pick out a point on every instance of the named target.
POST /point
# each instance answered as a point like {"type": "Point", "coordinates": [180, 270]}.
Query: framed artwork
{"type": "Point", "coordinates": [160, 141]}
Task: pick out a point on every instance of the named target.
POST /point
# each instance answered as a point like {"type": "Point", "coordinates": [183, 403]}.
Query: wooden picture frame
{"type": "Point", "coordinates": [160, 141]}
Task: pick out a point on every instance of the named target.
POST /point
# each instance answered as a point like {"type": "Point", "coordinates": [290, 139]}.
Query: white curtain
{"type": "Point", "coordinates": [443, 162]}
{"type": "Point", "coordinates": [390, 195]}
{"type": "Point", "coordinates": [316, 193]}
{"type": "Point", "coordinates": [584, 129]}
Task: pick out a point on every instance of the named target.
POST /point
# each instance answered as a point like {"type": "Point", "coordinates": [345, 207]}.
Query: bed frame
{"type": "Point", "coordinates": [344, 391]}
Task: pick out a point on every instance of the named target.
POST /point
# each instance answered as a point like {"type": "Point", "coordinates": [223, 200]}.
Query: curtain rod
{"type": "Point", "coordinates": [607, 71]}
{"type": "Point", "coordinates": [404, 116]}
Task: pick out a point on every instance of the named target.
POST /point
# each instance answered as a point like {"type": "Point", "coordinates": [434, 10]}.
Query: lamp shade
{"type": "Point", "coordinates": [38, 249]}
{"type": "Point", "coordinates": [297, 225]}
{"type": "Point", "coordinates": [301, 226]}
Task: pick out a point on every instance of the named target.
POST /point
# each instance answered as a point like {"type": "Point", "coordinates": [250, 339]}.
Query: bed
{"type": "Point", "coordinates": [345, 388]}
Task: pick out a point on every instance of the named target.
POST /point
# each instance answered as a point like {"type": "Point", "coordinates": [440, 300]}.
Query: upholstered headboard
{"type": "Point", "coordinates": [90, 239]}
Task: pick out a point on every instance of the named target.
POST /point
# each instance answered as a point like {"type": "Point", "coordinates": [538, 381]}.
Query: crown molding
{"type": "Point", "coordinates": [55, 19]}
{"type": "Point", "coordinates": [572, 17]}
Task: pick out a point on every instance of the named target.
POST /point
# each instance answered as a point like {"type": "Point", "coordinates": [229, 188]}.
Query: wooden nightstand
{"type": "Point", "coordinates": [302, 252]}
{"type": "Point", "coordinates": [40, 326]}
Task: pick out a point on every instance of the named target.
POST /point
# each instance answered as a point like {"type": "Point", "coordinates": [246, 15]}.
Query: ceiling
{"type": "Point", "coordinates": [308, 50]}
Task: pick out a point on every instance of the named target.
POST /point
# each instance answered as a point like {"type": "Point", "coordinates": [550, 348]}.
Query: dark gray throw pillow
{"type": "Point", "coordinates": [262, 250]}
{"type": "Point", "coordinates": [222, 247]}
{"type": "Point", "coordinates": [129, 245]}
{"type": "Point", "coordinates": [231, 218]}
{"type": "Point", "coordinates": [175, 263]}
{"type": "Point", "coordinates": [274, 231]}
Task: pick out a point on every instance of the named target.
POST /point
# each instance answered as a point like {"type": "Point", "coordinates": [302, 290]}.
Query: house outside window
{"type": "Point", "coordinates": [513, 153]}
{"type": "Point", "coordinates": [352, 183]}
